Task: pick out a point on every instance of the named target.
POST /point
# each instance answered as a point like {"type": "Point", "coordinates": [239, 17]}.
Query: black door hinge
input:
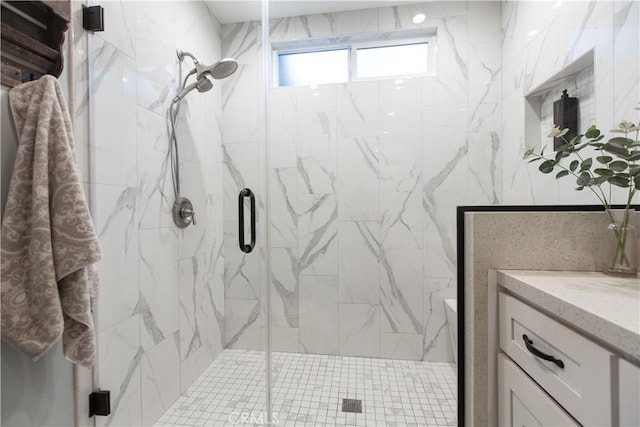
{"type": "Point", "coordinates": [93, 18]}
{"type": "Point", "coordinates": [100, 403]}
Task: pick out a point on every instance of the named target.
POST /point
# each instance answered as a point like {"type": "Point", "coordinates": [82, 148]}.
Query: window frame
{"type": "Point", "coordinates": [352, 44]}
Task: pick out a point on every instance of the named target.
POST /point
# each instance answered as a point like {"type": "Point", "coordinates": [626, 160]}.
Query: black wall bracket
{"type": "Point", "coordinates": [93, 18]}
{"type": "Point", "coordinates": [100, 403]}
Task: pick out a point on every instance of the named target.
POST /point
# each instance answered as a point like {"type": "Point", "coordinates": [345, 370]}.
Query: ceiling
{"type": "Point", "coordinates": [231, 11]}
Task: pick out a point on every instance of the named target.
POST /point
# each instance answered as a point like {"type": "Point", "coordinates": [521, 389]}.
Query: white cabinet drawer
{"type": "Point", "coordinates": [523, 403]}
{"type": "Point", "coordinates": [629, 392]}
{"type": "Point", "coordinates": [583, 385]}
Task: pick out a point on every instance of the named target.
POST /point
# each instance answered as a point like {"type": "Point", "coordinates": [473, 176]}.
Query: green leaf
{"type": "Point", "coordinates": [592, 132]}
{"type": "Point", "coordinates": [579, 188]}
{"type": "Point", "coordinates": [617, 150]}
{"type": "Point", "coordinates": [547, 166]}
{"type": "Point", "coordinates": [574, 165]}
{"type": "Point", "coordinates": [604, 159]}
{"type": "Point", "coordinates": [528, 153]}
{"type": "Point", "coordinates": [583, 179]}
{"type": "Point", "coordinates": [618, 166]}
{"type": "Point", "coordinates": [600, 180]}
{"type": "Point", "coordinates": [562, 173]}
{"type": "Point", "coordinates": [535, 159]}
{"type": "Point", "coordinates": [636, 181]}
{"type": "Point", "coordinates": [634, 170]}
{"type": "Point", "coordinates": [621, 141]}
{"type": "Point", "coordinates": [586, 164]}
{"type": "Point", "coordinates": [619, 181]}
{"type": "Point", "coordinates": [565, 147]}
{"type": "Point", "coordinates": [603, 172]}
{"type": "Point", "coordinates": [634, 155]}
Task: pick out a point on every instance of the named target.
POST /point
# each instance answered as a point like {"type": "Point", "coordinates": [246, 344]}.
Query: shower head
{"type": "Point", "coordinates": [203, 84]}
{"type": "Point", "coordinates": [220, 70]}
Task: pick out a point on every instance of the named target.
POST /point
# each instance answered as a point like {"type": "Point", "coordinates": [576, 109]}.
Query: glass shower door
{"type": "Point", "coordinates": [362, 216]}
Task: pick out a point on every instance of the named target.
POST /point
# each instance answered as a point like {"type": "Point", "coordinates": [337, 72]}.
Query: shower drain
{"type": "Point", "coordinates": [352, 405]}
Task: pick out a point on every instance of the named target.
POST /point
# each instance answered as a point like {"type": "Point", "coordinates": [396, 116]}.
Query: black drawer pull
{"type": "Point", "coordinates": [540, 354]}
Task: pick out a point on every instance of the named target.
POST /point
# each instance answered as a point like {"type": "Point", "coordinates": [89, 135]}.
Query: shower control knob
{"type": "Point", "coordinates": [183, 213]}
{"type": "Point", "coordinates": [188, 213]}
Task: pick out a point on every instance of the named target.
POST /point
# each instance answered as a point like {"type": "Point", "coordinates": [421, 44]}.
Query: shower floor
{"type": "Point", "coordinates": [308, 389]}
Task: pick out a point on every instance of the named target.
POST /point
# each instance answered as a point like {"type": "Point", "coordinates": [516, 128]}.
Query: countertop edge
{"type": "Point", "coordinates": [617, 337]}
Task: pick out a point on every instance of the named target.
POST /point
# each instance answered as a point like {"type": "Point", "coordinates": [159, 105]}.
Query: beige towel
{"type": "Point", "coordinates": [49, 244]}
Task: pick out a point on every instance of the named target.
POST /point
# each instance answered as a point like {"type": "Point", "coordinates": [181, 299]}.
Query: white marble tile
{"type": "Point", "coordinates": [284, 288]}
{"type": "Point", "coordinates": [240, 269]}
{"type": "Point", "coordinates": [450, 84]}
{"type": "Point", "coordinates": [113, 105]}
{"type": "Point", "coordinates": [242, 324]}
{"type": "Point", "coordinates": [156, 60]}
{"type": "Point", "coordinates": [191, 240]}
{"type": "Point", "coordinates": [626, 65]}
{"type": "Point", "coordinates": [240, 41]}
{"type": "Point", "coordinates": [401, 282]}
{"type": "Point", "coordinates": [318, 25]}
{"type": "Point", "coordinates": [401, 346]}
{"type": "Point", "coordinates": [485, 86]}
{"type": "Point", "coordinates": [485, 159]}
{"type": "Point", "coordinates": [282, 127]}
{"type": "Point", "coordinates": [193, 320]}
{"type": "Point", "coordinates": [317, 235]}
{"type": "Point", "coordinates": [119, 371]}
{"type": "Point", "coordinates": [401, 17]}
{"type": "Point", "coordinates": [284, 339]}
{"type": "Point", "coordinates": [240, 171]}
{"type": "Point", "coordinates": [357, 21]}
{"type": "Point", "coordinates": [484, 21]}
{"type": "Point", "coordinates": [437, 347]}
{"type": "Point", "coordinates": [359, 330]}
{"type": "Point", "coordinates": [284, 217]}
{"type": "Point", "coordinates": [319, 314]}
{"type": "Point", "coordinates": [401, 206]}
{"type": "Point", "coordinates": [215, 235]}
{"type": "Point", "coordinates": [160, 379]}
{"type": "Point", "coordinates": [316, 150]}
{"type": "Point", "coordinates": [214, 307]}
{"type": "Point", "coordinates": [581, 26]}
{"type": "Point", "coordinates": [283, 29]}
{"type": "Point", "coordinates": [154, 171]}
{"type": "Point", "coordinates": [159, 285]}
{"type": "Point", "coordinates": [316, 98]}
{"type": "Point", "coordinates": [400, 121]}
{"type": "Point", "coordinates": [358, 275]}
{"type": "Point", "coordinates": [240, 105]}
{"type": "Point", "coordinates": [542, 57]}
{"type": "Point", "coordinates": [192, 367]}
{"type": "Point", "coordinates": [358, 172]}
{"type": "Point", "coordinates": [358, 109]}
{"type": "Point", "coordinates": [121, 28]}
{"type": "Point", "coordinates": [114, 219]}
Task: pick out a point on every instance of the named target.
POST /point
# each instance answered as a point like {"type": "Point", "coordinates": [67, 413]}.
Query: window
{"type": "Point", "coordinates": [320, 61]}
{"type": "Point", "coordinates": [392, 60]}
{"type": "Point", "coordinates": [305, 68]}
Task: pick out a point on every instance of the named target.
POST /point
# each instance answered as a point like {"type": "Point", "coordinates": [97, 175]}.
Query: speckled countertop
{"type": "Point", "coordinates": [605, 307]}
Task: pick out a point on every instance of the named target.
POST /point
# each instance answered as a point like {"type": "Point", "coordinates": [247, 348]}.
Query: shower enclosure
{"type": "Point", "coordinates": [351, 185]}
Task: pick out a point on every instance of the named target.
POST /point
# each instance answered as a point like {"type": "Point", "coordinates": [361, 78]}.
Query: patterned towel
{"type": "Point", "coordinates": [49, 244]}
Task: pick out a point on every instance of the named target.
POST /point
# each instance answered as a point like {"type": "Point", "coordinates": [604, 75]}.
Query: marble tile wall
{"type": "Point", "coordinates": [365, 179]}
{"type": "Point", "coordinates": [160, 315]}
{"type": "Point", "coordinates": [540, 38]}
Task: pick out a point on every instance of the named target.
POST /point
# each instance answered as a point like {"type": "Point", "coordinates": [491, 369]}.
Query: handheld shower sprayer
{"type": "Point", "coordinates": [183, 211]}
{"type": "Point", "coordinates": [203, 84]}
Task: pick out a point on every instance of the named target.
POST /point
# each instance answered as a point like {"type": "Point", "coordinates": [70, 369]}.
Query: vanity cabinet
{"type": "Point", "coordinates": [553, 374]}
